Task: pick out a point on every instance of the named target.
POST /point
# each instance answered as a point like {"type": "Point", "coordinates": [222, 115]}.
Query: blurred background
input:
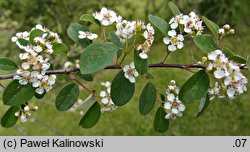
{"type": "Point", "coordinates": [222, 117]}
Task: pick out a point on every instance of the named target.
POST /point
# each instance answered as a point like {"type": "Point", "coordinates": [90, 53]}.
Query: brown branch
{"type": "Point", "coordinates": [158, 65]}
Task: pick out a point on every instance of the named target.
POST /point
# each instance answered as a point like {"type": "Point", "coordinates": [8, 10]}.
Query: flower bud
{"type": "Point", "coordinates": [17, 114]}
{"type": "Point", "coordinates": [226, 27]}
{"type": "Point", "coordinates": [26, 108]}
{"type": "Point", "coordinates": [221, 31]}
{"type": "Point", "coordinates": [231, 31]}
{"type": "Point", "coordinates": [204, 59]}
{"type": "Point", "coordinates": [23, 118]}
{"type": "Point", "coordinates": [35, 108]}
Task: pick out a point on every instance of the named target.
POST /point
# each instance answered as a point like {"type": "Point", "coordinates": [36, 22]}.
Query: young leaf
{"type": "Point", "coordinates": [67, 97]}
{"type": "Point", "coordinates": [60, 48]}
{"type": "Point", "coordinates": [89, 18]}
{"type": "Point", "coordinates": [87, 77]}
{"type": "Point", "coordinates": [122, 90]}
{"type": "Point", "coordinates": [91, 117]}
{"type": "Point", "coordinates": [97, 56]}
{"type": "Point", "coordinates": [116, 41]}
{"type": "Point", "coordinates": [9, 119]}
{"type": "Point", "coordinates": [159, 23]}
{"type": "Point", "coordinates": [7, 64]}
{"type": "Point", "coordinates": [204, 103]}
{"type": "Point", "coordinates": [35, 33]}
{"type": "Point", "coordinates": [72, 32]}
{"type": "Point", "coordinates": [160, 123]}
{"type": "Point", "coordinates": [141, 65]}
{"type": "Point", "coordinates": [205, 42]}
{"type": "Point", "coordinates": [212, 27]}
{"type": "Point", "coordinates": [195, 87]}
{"type": "Point", "coordinates": [16, 94]}
{"type": "Point", "coordinates": [23, 42]}
{"type": "Point", "coordinates": [174, 8]}
{"type": "Point", "coordinates": [147, 99]}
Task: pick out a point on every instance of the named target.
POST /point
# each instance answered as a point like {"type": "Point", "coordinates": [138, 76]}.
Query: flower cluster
{"type": "Point", "coordinates": [226, 30]}
{"type": "Point", "coordinates": [174, 107]}
{"type": "Point", "coordinates": [87, 35]}
{"type": "Point", "coordinates": [231, 82]}
{"type": "Point", "coordinates": [106, 17]}
{"type": "Point", "coordinates": [35, 59]}
{"type": "Point", "coordinates": [130, 72]}
{"type": "Point", "coordinates": [188, 24]}
{"type": "Point", "coordinates": [106, 100]}
{"type": "Point", "coordinates": [25, 112]}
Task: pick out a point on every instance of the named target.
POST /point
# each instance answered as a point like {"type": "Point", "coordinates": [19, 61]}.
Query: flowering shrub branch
{"type": "Point", "coordinates": [36, 76]}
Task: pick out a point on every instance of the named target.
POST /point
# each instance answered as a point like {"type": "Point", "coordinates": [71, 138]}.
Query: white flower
{"type": "Point", "coordinates": [88, 35]}
{"type": "Point", "coordinates": [23, 118]}
{"type": "Point", "coordinates": [125, 29]}
{"type": "Point", "coordinates": [174, 107]}
{"type": "Point", "coordinates": [175, 41]}
{"type": "Point", "coordinates": [219, 74]}
{"type": "Point", "coordinates": [106, 100]}
{"type": "Point", "coordinates": [105, 16]}
{"type": "Point", "coordinates": [25, 65]}
{"type": "Point", "coordinates": [130, 72]}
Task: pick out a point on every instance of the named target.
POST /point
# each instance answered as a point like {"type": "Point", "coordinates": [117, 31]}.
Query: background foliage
{"type": "Point", "coordinates": [221, 118]}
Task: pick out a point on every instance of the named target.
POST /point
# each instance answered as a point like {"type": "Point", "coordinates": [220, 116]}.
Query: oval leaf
{"type": "Point", "coordinates": [195, 88]}
{"type": "Point", "coordinates": [23, 42]}
{"type": "Point", "coordinates": [204, 103]}
{"type": "Point", "coordinates": [87, 77]}
{"type": "Point", "coordinates": [205, 42]}
{"type": "Point", "coordinates": [122, 90]}
{"type": "Point", "coordinates": [174, 8]}
{"type": "Point", "coordinates": [60, 48]}
{"type": "Point", "coordinates": [160, 23]}
{"type": "Point", "coordinates": [35, 33]}
{"type": "Point", "coordinates": [212, 27]}
{"type": "Point", "coordinates": [16, 94]}
{"type": "Point", "coordinates": [91, 117]}
{"type": "Point", "coordinates": [89, 18]}
{"type": "Point", "coordinates": [116, 41]}
{"type": "Point", "coordinates": [147, 99]}
{"type": "Point", "coordinates": [160, 123]}
{"type": "Point", "coordinates": [67, 97]}
{"type": "Point", "coordinates": [141, 65]}
{"type": "Point", "coordinates": [97, 56]}
{"type": "Point", "coordinates": [7, 64]}
{"type": "Point", "coordinates": [72, 32]}
{"type": "Point", "coordinates": [9, 119]}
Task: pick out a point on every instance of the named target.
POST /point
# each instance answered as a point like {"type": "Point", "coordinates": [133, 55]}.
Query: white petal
{"type": "Point", "coordinates": [103, 94]}
{"type": "Point", "coordinates": [171, 47]}
{"type": "Point", "coordinates": [105, 101]}
{"type": "Point", "coordinates": [174, 25]}
{"type": "Point", "coordinates": [132, 65]}
{"type": "Point", "coordinates": [168, 116]}
{"type": "Point", "coordinates": [230, 92]}
{"type": "Point", "coordinates": [180, 45]}
{"type": "Point", "coordinates": [167, 105]}
{"type": "Point", "coordinates": [14, 39]}
{"type": "Point", "coordinates": [227, 81]}
{"type": "Point", "coordinates": [143, 55]}
{"type": "Point", "coordinates": [175, 111]}
{"type": "Point", "coordinates": [187, 30]}
{"type": "Point", "coordinates": [166, 40]}
{"type": "Point", "coordinates": [181, 107]}
{"type": "Point", "coordinates": [132, 79]}
{"type": "Point", "coordinates": [219, 74]}
{"type": "Point", "coordinates": [125, 68]}
{"type": "Point", "coordinates": [172, 33]}
{"type": "Point", "coordinates": [39, 90]}
{"type": "Point", "coordinates": [171, 97]}
{"type": "Point", "coordinates": [25, 65]}
{"type": "Point", "coordinates": [36, 84]}
{"type": "Point", "coordinates": [136, 73]}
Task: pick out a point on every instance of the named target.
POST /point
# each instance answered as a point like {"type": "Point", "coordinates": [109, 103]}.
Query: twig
{"type": "Point", "coordinates": [158, 65]}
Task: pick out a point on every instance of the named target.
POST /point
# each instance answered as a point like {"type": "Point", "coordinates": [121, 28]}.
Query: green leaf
{"type": "Point", "coordinates": [23, 42]}
{"type": "Point", "coordinates": [122, 90]}
{"type": "Point", "coordinates": [60, 48]}
{"type": "Point", "coordinates": [212, 27]}
{"type": "Point", "coordinates": [228, 52]}
{"type": "Point", "coordinates": [7, 64]}
{"type": "Point", "coordinates": [9, 119]}
{"type": "Point", "coordinates": [87, 77]}
{"type": "Point", "coordinates": [160, 23]}
{"type": "Point", "coordinates": [239, 59]}
{"type": "Point", "coordinates": [40, 96]}
{"type": "Point", "coordinates": [195, 87]}
{"type": "Point", "coordinates": [248, 62]}
{"type": "Point", "coordinates": [160, 123]}
{"type": "Point", "coordinates": [204, 103]}
{"type": "Point", "coordinates": [141, 65]}
{"type": "Point", "coordinates": [97, 56]}
{"type": "Point", "coordinates": [72, 32]}
{"type": "Point", "coordinates": [116, 41]}
{"type": "Point", "coordinates": [91, 117]}
{"type": "Point", "coordinates": [35, 33]}
{"type": "Point", "coordinates": [174, 8]}
{"type": "Point", "coordinates": [67, 97]}
{"type": "Point", "coordinates": [16, 94]}
{"type": "Point", "coordinates": [147, 99]}
{"type": "Point", "coordinates": [89, 18]}
{"type": "Point", "coordinates": [205, 42]}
